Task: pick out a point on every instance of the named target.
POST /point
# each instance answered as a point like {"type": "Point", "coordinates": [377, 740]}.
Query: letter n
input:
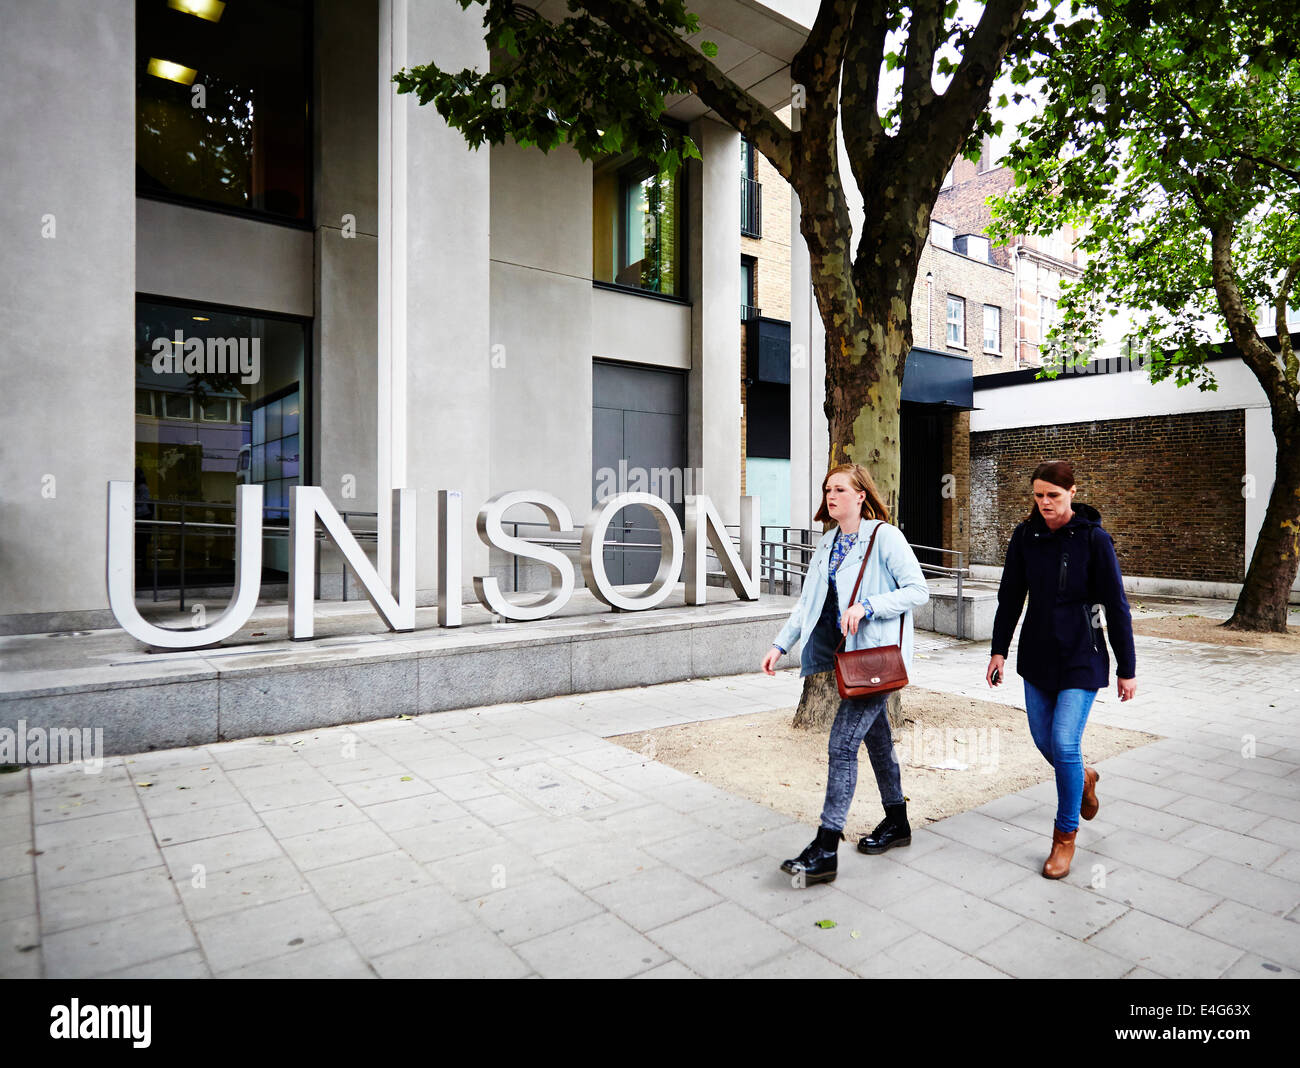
{"type": "Point", "coordinates": [309, 503]}
{"type": "Point", "coordinates": [704, 523]}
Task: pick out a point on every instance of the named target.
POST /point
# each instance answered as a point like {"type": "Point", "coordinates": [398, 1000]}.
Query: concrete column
{"type": "Point", "coordinates": [809, 432]}
{"type": "Point", "coordinates": [346, 263]}
{"type": "Point", "coordinates": [713, 405]}
{"type": "Point", "coordinates": [67, 301]}
{"type": "Point", "coordinates": [434, 348]}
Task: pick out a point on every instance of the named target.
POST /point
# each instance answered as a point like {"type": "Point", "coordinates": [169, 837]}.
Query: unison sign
{"type": "Point", "coordinates": [394, 600]}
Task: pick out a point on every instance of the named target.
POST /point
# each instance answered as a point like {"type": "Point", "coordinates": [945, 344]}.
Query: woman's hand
{"type": "Point", "coordinates": [769, 662]}
{"type": "Point", "coordinates": [998, 664]}
{"type": "Point", "coordinates": [1127, 688]}
{"type": "Point", "coordinates": [849, 623]}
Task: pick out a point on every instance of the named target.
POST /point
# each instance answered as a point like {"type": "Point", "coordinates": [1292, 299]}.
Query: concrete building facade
{"type": "Point", "coordinates": [433, 316]}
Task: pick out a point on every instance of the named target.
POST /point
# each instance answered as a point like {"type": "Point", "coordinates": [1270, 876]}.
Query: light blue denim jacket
{"type": "Point", "coordinates": [893, 583]}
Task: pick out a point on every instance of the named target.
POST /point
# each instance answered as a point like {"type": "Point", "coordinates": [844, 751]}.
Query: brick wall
{"type": "Point", "coordinates": [978, 283]}
{"type": "Point", "coordinates": [1168, 488]}
{"type": "Point", "coordinates": [956, 461]}
{"type": "Point", "coordinates": [963, 205]}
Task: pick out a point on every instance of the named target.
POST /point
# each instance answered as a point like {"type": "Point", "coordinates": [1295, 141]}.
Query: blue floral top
{"type": "Point", "coordinates": [843, 543]}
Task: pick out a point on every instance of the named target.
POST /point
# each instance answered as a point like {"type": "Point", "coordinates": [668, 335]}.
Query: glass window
{"type": "Point", "coordinates": [748, 159]}
{"type": "Point", "coordinates": [637, 227]}
{"type": "Point", "coordinates": [748, 271]}
{"type": "Point", "coordinates": [222, 104]}
{"type": "Point", "coordinates": [992, 328]}
{"type": "Point", "coordinates": [956, 321]}
{"type": "Point", "coordinates": [1046, 315]}
{"type": "Point", "coordinates": [230, 388]}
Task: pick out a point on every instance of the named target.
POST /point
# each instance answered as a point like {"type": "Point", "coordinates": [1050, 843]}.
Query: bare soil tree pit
{"type": "Point", "coordinates": [955, 753]}
{"type": "Point", "coordinates": [1194, 628]}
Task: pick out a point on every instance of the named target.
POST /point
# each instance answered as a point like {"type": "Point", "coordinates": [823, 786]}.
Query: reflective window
{"type": "Point", "coordinates": [637, 227]}
{"type": "Point", "coordinates": [222, 104]}
{"type": "Point", "coordinates": [219, 404]}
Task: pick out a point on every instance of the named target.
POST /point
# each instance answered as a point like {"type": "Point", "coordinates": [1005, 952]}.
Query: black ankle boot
{"type": "Point", "coordinates": [893, 830]}
{"type": "Point", "coordinates": [817, 863]}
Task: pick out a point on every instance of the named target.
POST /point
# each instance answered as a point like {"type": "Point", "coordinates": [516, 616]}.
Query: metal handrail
{"type": "Point", "coordinates": [770, 566]}
{"type": "Point", "coordinates": [272, 530]}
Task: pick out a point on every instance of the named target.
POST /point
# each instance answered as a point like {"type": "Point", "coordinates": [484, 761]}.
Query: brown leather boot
{"type": "Point", "coordinates": [1058, 861]}
{"type": "Point", "coordinates": [1088, 808]}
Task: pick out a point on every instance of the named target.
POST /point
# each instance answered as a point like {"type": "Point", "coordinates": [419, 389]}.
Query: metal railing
{"type": "Point", "coordinates": [184, 526]}
{"type": "Point", "coordinates": [785, 567]}
{"type": "Point", "coordinates": [751, 207]}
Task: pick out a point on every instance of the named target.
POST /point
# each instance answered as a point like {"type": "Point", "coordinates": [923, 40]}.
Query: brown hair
{"type": "Point", "coordinates": [1058, 472]}
{"type": "Point", "coordinates": [860, 479]}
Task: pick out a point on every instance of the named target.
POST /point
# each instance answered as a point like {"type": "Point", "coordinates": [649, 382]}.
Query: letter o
{"type": "Point", "coordinates": [670, 553]}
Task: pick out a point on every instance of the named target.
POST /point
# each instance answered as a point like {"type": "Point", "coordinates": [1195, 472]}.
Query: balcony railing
{"type": "Point", "coordinates": [748, 311]}
{"type": "Point", "coordinates": [751, 208]}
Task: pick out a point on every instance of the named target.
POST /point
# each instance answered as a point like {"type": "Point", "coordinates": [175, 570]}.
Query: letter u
{"type": "Point", "coordinates": [121, 570]}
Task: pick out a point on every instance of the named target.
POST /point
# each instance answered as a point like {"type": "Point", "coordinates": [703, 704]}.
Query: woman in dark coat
{"type": "Point", "coordinates": [1063, 559]}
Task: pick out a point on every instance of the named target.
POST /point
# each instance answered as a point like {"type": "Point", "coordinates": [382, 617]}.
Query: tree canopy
{"type": "Point", "coordinates": [1171, 132]}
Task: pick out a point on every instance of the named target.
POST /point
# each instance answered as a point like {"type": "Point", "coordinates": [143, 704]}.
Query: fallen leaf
{"type": "Point", "coordinates": [825, 925]}
{"type": "Point", "coordinates": [144, 784]}
{"type": "Point", "coordinates": [855, 934]}
{"type": "Point", "coordinates": [407, 778]}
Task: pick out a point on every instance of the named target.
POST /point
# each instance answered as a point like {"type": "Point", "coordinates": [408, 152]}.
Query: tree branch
{"type": "Point", "coordinates": [948, 118]}
{"type": "Point", "coordinates": [924, 34]}
{"type": "Point", "coordinates": [692, 68]}
{"type": "Point", "coordinates": [860, 89]}
{"type": "Point", "coordinates": [1289, 361]}
{"type": "Point", "coordinates": [1257, 356]}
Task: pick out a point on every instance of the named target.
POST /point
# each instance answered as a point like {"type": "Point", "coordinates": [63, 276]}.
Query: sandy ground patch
{"type": "Point", "coordinates": [1192, 628]}
{"type": "Point", "coordinates": [761, 757]}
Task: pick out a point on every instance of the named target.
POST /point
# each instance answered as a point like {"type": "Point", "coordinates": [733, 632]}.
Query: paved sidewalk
{"type": "Point", "coordinates": [515, 841]}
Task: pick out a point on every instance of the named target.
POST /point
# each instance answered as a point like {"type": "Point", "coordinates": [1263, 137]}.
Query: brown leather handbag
{"type": "Point", "coordinates": [866, 672]}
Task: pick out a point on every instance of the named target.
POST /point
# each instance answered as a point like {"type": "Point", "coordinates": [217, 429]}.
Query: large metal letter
{"type": "Point", "coordinates": [488, 590]}
{"type": "Point", "coordinates": [306, 504]}
{"type": "Point", "coordinates": [593, 552]}
{"type": "Point", "coordinates": [449, 503]}
{"type": "Point", "coordinates": [121, 568]}
{"type": "Point", "coordinates": [703, 520]}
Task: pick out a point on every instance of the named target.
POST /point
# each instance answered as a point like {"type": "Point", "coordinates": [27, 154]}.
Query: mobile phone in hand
{"type": "Point", "coordinates": [997, 676]}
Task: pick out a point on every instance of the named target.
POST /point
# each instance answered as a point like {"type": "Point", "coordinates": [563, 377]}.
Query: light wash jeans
{"type": "Point", "coordinates": [1056, 721]}
{"type": "Point", "coordinates": [859, 719]}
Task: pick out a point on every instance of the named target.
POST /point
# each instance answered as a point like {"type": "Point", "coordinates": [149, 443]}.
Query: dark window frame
{"type": "Point", "coordinates": [308, 222]}
{"type": "Point", "coordinates": [307, 426]}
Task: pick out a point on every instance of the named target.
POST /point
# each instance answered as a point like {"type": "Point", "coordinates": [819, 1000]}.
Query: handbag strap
{"type": "Point", "coordinates": [862, 571]}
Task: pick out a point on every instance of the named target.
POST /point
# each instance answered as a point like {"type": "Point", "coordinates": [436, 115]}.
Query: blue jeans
{"type": "Point", "coordinates": [1056, 721]}
{"type": "Point", "coordinates": [859, 719]}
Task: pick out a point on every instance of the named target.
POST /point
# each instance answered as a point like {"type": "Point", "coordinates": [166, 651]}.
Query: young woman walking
{"type": "Point", "coordinates": [891, 584]}
{"type": "Point", "coordinates": [1062, 558]}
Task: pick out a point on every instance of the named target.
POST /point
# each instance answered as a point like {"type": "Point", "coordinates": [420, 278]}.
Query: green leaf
{"type": "Point", "coordinates": [825, 925]}
{"type": "Point", "coordinates": [709, 49]}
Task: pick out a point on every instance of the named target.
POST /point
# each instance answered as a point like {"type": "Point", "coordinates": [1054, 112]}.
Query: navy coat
{"type": "Point", "coordinates": [1065, 573]}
